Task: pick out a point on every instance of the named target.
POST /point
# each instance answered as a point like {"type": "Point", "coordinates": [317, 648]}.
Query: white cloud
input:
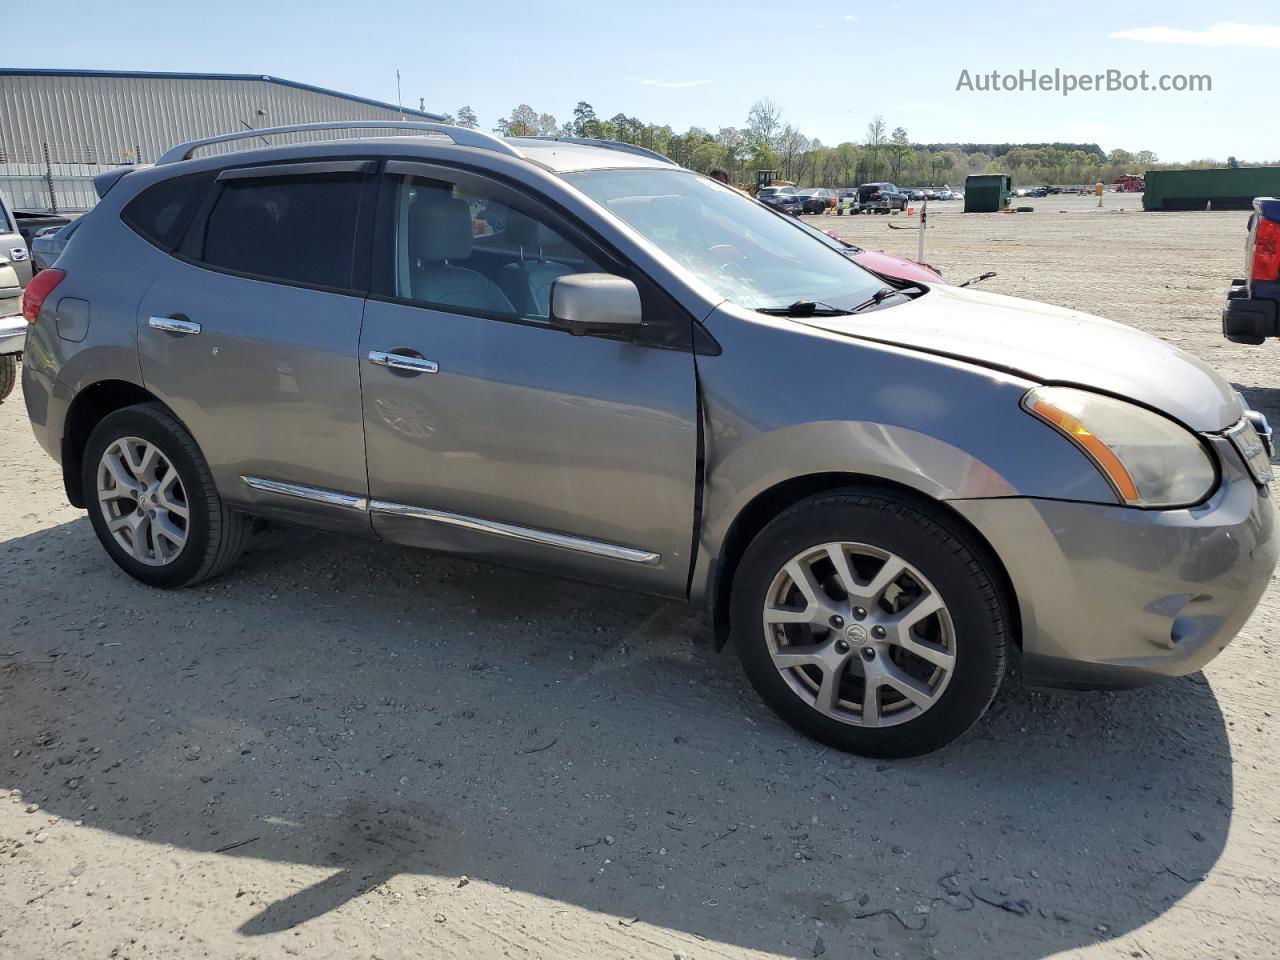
{"type": "Point", "coordinates": [672, 84]}
{"type": "Point", "coordinates": [1218, 35]}
{"type": "Point", "coordinates": [849, 18]}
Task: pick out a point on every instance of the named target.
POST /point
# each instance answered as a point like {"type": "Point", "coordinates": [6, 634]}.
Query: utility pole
{"type": "Point", "coordinates": [399, 102]}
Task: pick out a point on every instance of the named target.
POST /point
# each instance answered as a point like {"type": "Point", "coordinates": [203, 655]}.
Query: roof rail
{"type": "Point", "coordinates": [610, 145]}
{"type": "Point", "coordinates": [462, 136]}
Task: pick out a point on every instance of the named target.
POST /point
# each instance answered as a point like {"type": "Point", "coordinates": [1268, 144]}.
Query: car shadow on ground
{"type": "Point", "coordinates": [385, 712]}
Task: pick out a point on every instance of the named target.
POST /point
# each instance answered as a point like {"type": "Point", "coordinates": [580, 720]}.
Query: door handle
{"type": "Point", "coordinates": [398, 361]}
{"type": "Point", "coordinates": [174, 325]}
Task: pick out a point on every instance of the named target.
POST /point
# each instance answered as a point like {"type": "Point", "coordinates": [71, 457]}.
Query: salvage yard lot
{"type": "Point", "coordinates": [351, 750]}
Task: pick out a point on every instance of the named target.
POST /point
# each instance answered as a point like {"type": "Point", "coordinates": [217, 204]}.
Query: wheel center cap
{"type": "Point", "coordinates": [856, 634]}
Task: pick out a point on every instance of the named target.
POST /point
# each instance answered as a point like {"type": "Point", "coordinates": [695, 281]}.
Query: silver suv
{"type": "Point", "coordinates": [578, 357]}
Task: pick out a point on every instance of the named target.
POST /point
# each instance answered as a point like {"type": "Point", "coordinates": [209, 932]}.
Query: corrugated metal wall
{"type": "Point", "coordinates": [110, 120]}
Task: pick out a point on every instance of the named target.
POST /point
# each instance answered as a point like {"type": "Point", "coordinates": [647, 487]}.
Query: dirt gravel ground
{"type": "Point", "coordinates": [349, 750]}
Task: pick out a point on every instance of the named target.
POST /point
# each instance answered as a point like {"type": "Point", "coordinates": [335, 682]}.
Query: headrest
{"type": "Point", "coordinates": [652, 212]}
{"type": "Point", "coordinates": [527, 233]}
{"type": "Point", "coordinates": [440, 227]}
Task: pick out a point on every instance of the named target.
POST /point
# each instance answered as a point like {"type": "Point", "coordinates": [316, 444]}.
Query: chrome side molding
{"type": "Point", "coordinates": [333, 498]}
{"type": "Point", "coordinates": [595, 548]}
{"type": "Point", "coordinates": [546, 538]}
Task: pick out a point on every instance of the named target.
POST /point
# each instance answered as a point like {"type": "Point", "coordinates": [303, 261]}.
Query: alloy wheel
{"type": "Point", "coordinates": [143, 501]}
{"type": "Point", "coordinates": [859, 634]}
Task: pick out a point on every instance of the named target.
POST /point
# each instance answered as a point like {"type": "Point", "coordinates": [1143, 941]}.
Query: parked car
{"type": "Point", "coordinates": [781, 198]}
{"type": "Point", "coordinates": [911, 196]}
{"type": "Point", "coordinates": [12, 245]}
{"type": "Point", "coordinates": [13, 327]}
{"type": "Point", "coordinates": [879, 492]}
{"type": "Point", "coordinates": [48, 244]}
{"type": "Point", "coordinates": [946, 195]}
{"type": "Point", "coordinates": [1252, 311]}
{"type": "Point", "coordinates": [816, 200]}
{"type": "Point", "coordinates": [890, 266]}
{"type": "Point", "coordinates": [880, 198]}
{"type": "Point", "coordinates": [15, 270]}
{"type": "Point", "coordinates": [846, 199]}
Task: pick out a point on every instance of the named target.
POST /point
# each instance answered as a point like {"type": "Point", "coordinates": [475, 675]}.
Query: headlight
{"type": "Point", "coordinates": [1149, 460]}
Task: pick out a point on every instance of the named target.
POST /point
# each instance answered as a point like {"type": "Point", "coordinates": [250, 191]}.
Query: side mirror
{"type": "Point", "coordinates": [585, 303]}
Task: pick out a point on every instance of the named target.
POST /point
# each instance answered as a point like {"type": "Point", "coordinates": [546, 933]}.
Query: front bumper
{"type": "Point", "coordinates": [13, 334]}
{"type": "Point", "coordinates": [1114, 596]}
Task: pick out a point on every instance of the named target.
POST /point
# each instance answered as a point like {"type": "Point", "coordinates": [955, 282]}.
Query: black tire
{"type": "Point", "coordinates": [8, 375]}
{"type": "Point", "coordinates": [961, 569]}
{"type": "Point", "coordinates": [216, 535]}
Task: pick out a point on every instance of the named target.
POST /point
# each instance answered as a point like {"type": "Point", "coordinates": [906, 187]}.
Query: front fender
{"type": "Point", "coordinates": [785, 401]}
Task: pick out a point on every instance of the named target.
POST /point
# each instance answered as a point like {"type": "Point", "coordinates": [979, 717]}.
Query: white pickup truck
{"type": "Point", "coordinates": [15, 271]}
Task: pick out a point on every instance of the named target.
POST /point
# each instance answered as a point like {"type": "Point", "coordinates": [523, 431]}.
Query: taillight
{"type": "Point", "coordinates": [1266, 251]}
{"type": "Point", "coordinates": [38, 291]}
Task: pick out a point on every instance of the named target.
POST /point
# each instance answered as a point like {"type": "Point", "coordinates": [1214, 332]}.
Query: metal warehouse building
{"type": "Point", "coordinates": [59, 127]}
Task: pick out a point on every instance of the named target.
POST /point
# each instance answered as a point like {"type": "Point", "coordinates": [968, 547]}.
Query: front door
{"type": "Point", "coordinates": [250, 335]}
{"type": "Point", "coordinates": [491, 433]}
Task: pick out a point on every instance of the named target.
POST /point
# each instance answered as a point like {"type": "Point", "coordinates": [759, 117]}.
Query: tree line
{"type": "Point", "coordinates": [766, 141]}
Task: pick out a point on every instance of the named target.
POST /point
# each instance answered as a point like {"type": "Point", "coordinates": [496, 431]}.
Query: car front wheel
{"type": "Point", "coordinates": [871, 622]}
{"type": "Point", "coordinates": [152, 500]}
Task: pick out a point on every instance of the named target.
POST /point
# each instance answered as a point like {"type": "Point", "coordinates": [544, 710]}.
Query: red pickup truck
{"type": "Point", "coordinates": [1250, 313]}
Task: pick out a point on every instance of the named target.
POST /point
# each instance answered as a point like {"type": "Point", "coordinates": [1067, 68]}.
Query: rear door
{"type": "Point", "coordinates": [250, 330]}
{"type": "Point", "coordinates": [494, 434]}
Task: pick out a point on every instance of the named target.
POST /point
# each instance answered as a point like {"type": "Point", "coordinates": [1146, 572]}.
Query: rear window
{"type": "Point", "coordinates": [162, 212]}
{"type": "Point", "coordinates": [295, 229]}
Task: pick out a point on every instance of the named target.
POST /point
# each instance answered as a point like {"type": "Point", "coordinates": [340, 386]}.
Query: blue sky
{"type": "Point", "coordinates": [829, 65]}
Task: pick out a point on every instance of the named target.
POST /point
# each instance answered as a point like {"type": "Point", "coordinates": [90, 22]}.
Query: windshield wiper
{"type": "Point", "coordinates": [880, 296]}
{"type": "Point", "coordinates": [805, 308]}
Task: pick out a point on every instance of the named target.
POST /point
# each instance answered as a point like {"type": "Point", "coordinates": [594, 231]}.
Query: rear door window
{"type": "Point", "coordinates": [161, 213]}
{"type": "Point", "coordinates": [296, 229]}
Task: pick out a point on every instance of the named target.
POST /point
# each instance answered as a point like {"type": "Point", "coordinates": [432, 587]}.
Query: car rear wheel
{"type": "Point", "coordinates": [870, 622]}
{"type": "Point", "coordinates": [8, 374]}
{"type": "Point", "coordinates": [152, 500]}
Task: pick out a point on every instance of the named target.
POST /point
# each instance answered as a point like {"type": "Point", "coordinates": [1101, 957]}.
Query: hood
{"type": "Point", "coordinates": [1052, 345]}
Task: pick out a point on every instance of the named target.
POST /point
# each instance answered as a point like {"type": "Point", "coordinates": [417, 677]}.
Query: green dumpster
{"type": "Point", "coordinates": [1226, 188]}
{"type": "Point", "coordinates": [987, 193]}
